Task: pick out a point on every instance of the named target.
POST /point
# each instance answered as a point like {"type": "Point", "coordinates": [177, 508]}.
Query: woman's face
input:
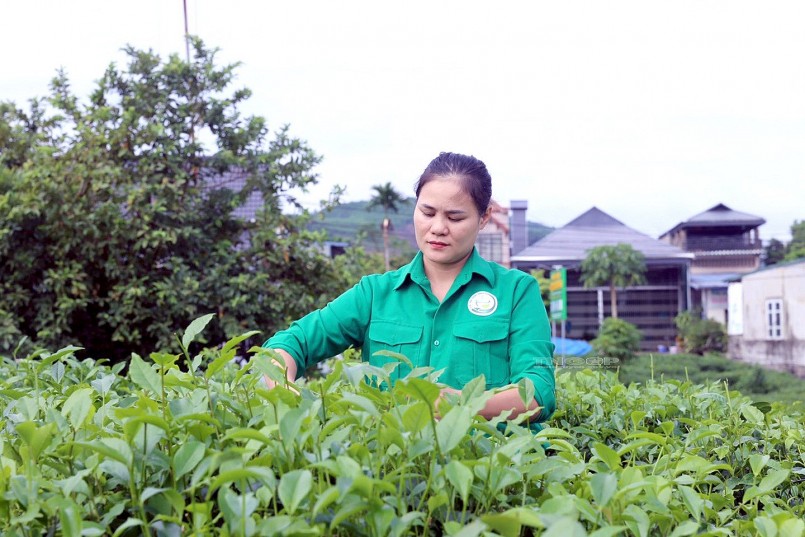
{"type": "Point", "coordinates": [446, 222]}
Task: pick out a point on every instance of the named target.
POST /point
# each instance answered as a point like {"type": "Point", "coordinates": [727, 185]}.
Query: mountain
{"type": "Point", "coordinates": [346, 221]}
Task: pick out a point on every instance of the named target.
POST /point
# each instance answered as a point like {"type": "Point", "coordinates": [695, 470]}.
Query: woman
{"type": "Point", "coordinates": [448, 309]}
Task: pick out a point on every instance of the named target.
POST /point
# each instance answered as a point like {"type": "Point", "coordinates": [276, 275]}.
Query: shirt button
{"type": "Point", "coordinates": [436, 343]}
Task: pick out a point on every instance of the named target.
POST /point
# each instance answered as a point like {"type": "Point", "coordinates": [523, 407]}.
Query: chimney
{"type": "Point", "coordinates": [519, 226]}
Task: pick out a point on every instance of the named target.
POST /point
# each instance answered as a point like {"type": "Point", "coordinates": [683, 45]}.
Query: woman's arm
{"type": "Point", "coordinates": [508, 399]}
{"type": "Point", "coordinates": [326, 332]}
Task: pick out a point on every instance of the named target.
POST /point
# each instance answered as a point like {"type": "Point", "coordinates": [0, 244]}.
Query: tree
{"type": "Point", "coordinates": [544, 286]}
{"type": "Point", "coordinates": [796, 248]}
{"type": "Point", "coordinates": [615, 266]}
{"type": "Point", "coordinates": [111, 236]}
{"type": "Point", "coordinates": [388, 199]}
{"type": "Point", "coordinates": [775, 252]}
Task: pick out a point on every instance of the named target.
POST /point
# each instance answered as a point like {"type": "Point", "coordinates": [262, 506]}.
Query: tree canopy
{"type": "Point", "coordinates": [117, 216]}
{"type": "Point", "coordinates": [615, 266]}
{"type": "Point", "coordinates": [777, 251]}
{"type": "Point", "coordinates": [796, 248]}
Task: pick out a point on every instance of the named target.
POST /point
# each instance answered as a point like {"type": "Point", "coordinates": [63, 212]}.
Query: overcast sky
{"type": "Point", "coordinates": [651, 111]}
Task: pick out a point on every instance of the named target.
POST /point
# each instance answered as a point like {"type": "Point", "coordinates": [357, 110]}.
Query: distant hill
{"type": "Point", "coordinates": [345, 222]}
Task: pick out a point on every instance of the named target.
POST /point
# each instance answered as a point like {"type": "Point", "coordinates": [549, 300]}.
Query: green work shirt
{"type": "Point", "coordinates": [492, 322]}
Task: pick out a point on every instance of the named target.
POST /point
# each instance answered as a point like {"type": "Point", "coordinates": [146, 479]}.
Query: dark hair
{"type": "Point", "coordinates": [474, 177]}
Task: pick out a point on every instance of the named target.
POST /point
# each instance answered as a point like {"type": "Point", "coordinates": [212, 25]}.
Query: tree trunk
{"type": "Point", "coordinates": [386, 223]}
{"type": "Point", "coordinates": [613, 301]}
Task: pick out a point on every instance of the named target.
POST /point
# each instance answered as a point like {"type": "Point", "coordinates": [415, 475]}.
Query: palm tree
{"type": "Point", "coordinates": [616, 266]}
{"type": "Point", "coordinates": [389, 199]}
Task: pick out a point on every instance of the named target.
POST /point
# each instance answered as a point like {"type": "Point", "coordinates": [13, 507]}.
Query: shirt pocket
{"type": "Point", "coordinates": [405, 339]}
{"type": "Point", "coordinates": [482, 348]}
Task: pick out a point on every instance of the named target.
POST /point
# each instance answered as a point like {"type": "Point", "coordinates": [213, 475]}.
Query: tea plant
{"type": "Point", "coordinates": [194, 445]}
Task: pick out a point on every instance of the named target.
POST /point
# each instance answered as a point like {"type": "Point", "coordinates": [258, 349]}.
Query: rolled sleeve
{"type": "Point", "coordinates": [530, 346]}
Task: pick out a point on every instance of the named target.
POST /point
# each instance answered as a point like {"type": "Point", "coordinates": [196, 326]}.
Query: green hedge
{"type": "Point", "coordinates": [184, 444]}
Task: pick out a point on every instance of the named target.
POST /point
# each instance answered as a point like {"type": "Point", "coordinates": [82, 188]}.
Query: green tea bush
{"type": "Point", "coordinates": [618, 339]}
{"type": "Point", "coordinates": [193, 445]}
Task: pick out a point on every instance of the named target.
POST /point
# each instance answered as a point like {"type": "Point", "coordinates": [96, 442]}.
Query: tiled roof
{"type": "Point", "coordinates": [596, 228]}
{"type": "Point", "coordinates": [718, 216]}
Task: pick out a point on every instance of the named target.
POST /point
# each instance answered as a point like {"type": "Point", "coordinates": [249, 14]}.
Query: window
{"type": "Point", "coordinates": [490, 246]}
{"type": "Point", "coordinates": [774, 318]}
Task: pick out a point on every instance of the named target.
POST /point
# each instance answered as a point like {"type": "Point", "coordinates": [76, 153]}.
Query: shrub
{"type": "Point", "coordinates": [700, 335]}
{"type": "Point", "coordinates": [618, 339]}
{"type": "Point", "coordinates": [183, 445]}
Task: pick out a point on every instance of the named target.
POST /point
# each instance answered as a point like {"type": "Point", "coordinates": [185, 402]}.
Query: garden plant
{"type": "Point", "coordinates": [190, 443]}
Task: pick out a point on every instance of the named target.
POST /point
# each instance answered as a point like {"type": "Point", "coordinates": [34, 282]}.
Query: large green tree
{"type": "Point", "coordinates": [796, 248]}
{"type": "Point", "coordinates": [774, 252]}
{"type": "Point", "coordinates": [117, 225]}
{"type": "Point", "coordinates": [616, 266]}
{"type": "Point", "coordinates": [386, 197]}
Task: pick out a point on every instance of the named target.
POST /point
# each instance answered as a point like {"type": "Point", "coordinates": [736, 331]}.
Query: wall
{"type": "Point", "coordinates": [754, 344]}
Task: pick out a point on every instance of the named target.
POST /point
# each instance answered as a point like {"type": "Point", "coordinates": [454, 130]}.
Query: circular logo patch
{"type": "Point", "coordinates": [482, 303]}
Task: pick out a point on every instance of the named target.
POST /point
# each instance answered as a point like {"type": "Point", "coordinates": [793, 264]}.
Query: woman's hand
{"type": "Point", "coordinates": [288, 364]}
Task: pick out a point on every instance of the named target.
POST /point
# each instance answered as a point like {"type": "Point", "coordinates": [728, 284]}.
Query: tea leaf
{"type": "Point", "coordinates": [473, 529]}
{"type": "Point", "coordinates": [565, 527]}
{"type": "Point", "coordinates": [396, 355]}
{"type": "Point", "coordinates": [103, 384]}
{"type": "Point", "coordinates": [217, 365]}
{"type": "Point", "coordinates": [758, 462]}
{"type": "Point", "coordinates": [111, 448]}
{"type": "Point", "coordinates": [607, 454]}
{"type": "Point", "coordinates": [326, 499]}
{"type": "Point", "coordinates": [460, 477]}
{"type": "Point", "coordinates": [237, 340]}
{"type": "Point", "coordinates": [773, 479]}
{"type": "Point", "coordinates": [362, 403]}
{"type": "Point", "coordinates": [793, 527]}
{"type": "Point", "coordinates": [525, 388]}
{"type": "Point", "coordinates": [603, 487]}
{"type": "Point", "coordinates": [70, 518]}
{"type": "Point", "coordinates": [144, 375]}
{"type": "Point", "coordinates": [693, 501]}
{"type": "Point", "coordinates": [164, 359]}
{"type": "Point", "coordinates": [45, 361]}
{"type": "Point", "coordinates": [195, 329]}
{"type": "Point", "coordinates": [416, 417]}
{"type": "Point", "coordinates": [37, 438]}
{"type": "Point", "coordinates": [424, 391]}
{"type": "Point", "coordinates": [294, 488]}
{"type": "Point", "coordinates": [264, 475]}
{"type": "Point", "coordinates": [752, 414]}
{"type": "Point", "coordinates": [129, 523]}
{"type": "Point", "coordinates": [187, 457]}
{"type": "Point", "coordinates": [76, 407]}
{"type": "Point", "coordinates": [688, 527]}
{"type": "Point", "coordinates": [637, 520]}
{"type": "Point", "coordinates": [608, 531]}
{"type": "Point", "coordinates": [474, 388]}
{"type": "Point", "coordinates": [452, 427]}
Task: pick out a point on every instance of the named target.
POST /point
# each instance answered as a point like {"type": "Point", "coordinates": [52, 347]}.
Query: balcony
{"type": "Point", "coordinates": [727, 242]}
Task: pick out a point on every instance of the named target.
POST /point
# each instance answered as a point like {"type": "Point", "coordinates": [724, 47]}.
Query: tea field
{"type": "Point", "coordinates": [190, 444]}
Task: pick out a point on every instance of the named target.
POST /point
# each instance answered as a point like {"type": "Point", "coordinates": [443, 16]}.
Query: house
{"type": "Point", "coordinates": [493, 241]}
{"type": "Point", "coordinates": [726, 245]}
{"type": "Point", "coordinates": [652, 307]}
{"type": "Point", "coordinates": [767, 317]}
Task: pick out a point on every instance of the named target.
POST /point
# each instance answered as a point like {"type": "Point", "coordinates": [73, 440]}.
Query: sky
{"type": "Point", "coordinates": [652, 111]}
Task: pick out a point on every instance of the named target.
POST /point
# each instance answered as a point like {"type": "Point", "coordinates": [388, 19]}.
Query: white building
{"type": "Point", "coordinates": [766, 323]}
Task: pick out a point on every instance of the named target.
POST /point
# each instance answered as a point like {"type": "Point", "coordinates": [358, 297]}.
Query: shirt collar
{"type": "Point", "coordinates": [415, 270]}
